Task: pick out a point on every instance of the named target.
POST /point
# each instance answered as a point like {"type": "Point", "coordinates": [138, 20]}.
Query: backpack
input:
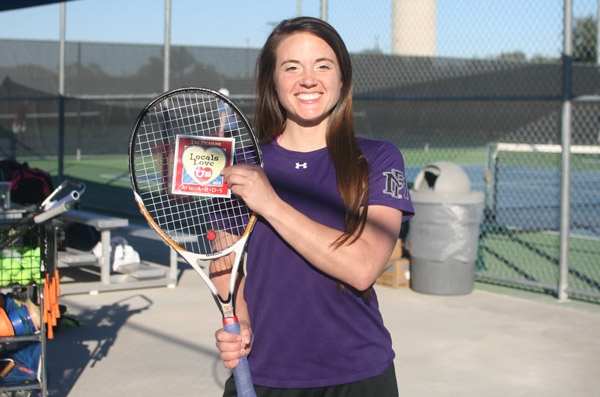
{"type": "Point", "coordinates": [29, 185]}
{"type": "Point", "coordinates": [7, 169]}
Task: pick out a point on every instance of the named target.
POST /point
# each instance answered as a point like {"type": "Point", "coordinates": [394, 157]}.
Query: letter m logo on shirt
{"type": "Point", "coordinates": [395, 184]}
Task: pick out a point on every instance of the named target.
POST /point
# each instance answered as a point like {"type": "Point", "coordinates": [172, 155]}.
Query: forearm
{"type": "Point", "coordinates": [241, 307]}
{"type": "Point", "coordinates": [356, 263]}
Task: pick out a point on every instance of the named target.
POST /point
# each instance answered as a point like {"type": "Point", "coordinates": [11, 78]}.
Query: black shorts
{"type": "Point", "coordinates": [380, 385]}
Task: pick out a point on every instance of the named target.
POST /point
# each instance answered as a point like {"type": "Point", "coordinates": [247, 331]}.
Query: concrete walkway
{"type": "Point", "coordinates": [160, 342]}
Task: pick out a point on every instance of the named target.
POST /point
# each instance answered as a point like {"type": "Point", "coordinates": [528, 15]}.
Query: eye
{"type": "Point", "coordinates": [290, 67]}
{"type": "Point", "coordinates": [324, 66]}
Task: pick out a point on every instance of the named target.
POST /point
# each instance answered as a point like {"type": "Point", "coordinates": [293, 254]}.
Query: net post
{"type": "Point", "coordinates": [492, 182]}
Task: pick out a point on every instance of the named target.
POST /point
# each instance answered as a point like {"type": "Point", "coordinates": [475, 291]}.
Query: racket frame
{"type": "Point", "coordinates": [226, 306]}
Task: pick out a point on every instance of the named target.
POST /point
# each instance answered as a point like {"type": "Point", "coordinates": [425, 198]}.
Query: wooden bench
{"type": "Point", "coordinates": [138, 275]}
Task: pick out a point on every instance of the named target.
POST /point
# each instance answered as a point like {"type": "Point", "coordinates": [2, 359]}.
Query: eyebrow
{"type": "Point", "coordinates": [325, 59]}
{"type": "Point", "coordinates": [316, 61]}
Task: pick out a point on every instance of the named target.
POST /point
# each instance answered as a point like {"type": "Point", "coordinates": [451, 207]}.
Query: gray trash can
{"type": "Point", "coordinates": [443, 236]}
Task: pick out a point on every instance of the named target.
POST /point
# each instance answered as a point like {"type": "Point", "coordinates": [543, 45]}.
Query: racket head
{"type": "Point", "coordinates": [161, 161]}
{"type": "Point", "coordinates": [186, 122]}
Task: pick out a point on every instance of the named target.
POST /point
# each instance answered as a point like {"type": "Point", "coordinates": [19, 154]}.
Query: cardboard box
{"type": "Point", "coordinates": [397, 252]}
{"type": "Point", "coordinates": [397, 274]}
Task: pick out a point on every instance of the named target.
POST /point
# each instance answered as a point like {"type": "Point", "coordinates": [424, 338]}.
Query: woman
{"type": "Point", "coordinates": [330, 207]}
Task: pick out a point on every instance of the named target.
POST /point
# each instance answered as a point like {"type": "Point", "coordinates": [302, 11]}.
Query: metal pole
{"type": "Point", "coordinates": [61, 55]}
{"type": "Point", "coordinates": [324, 10]}
{"type": "Point", "coordinates": [167, 46]}
{"type": "Point", "coordinates": [61, 91]}
{"type": "Point", "coordinates": [567, 77]}
{"type": "Point", "coordinates": [598, 33]}
{"type": "Point", "coordinates": [299, 12]}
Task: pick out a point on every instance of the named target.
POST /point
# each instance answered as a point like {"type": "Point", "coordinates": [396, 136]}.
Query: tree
{"type": "Point", "coordinates": [182, 61]}
{"type": "Point", "coordinates": [584, 39]}
{"type": "Point", "coordinates": [513, 56]}
{"type": "Point", "coordinates": [584, 44]}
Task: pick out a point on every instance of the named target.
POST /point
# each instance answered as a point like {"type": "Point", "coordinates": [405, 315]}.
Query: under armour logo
{"type": "Point", "coordinates": [301, 165]}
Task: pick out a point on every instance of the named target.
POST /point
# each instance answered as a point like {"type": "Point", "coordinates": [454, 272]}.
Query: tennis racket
{"type": "Point", "coordinates": [58, 202]}
{"type": "Point", "coordinates": [177, 151]}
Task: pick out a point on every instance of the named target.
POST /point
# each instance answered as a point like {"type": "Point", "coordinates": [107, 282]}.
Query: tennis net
{"type": "Point", "coordinates": [524, 181]}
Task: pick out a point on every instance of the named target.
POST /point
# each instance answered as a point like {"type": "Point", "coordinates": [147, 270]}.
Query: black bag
{"type": "Point", "coordinates": [28, 185]}
{"type": "Point", "coordinates": [7, 169]}
{"type": "Point", "coordinates": [81, 237]}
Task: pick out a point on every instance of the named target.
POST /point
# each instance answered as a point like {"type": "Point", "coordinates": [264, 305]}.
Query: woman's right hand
{"type": "Point", "coordinates": [250, 182]}
{"type": "Point", "coordinates": [233, 346]}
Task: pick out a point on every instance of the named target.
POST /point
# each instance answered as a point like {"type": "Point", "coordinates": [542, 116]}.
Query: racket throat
{"type": "Point", "coordinates": [230, 320]}
{"type": "Point", "coordinates": [226, 307]}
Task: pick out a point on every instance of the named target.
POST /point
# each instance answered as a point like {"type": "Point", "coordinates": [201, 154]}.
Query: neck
{"type": "Point", "coordinates": [303, 139]}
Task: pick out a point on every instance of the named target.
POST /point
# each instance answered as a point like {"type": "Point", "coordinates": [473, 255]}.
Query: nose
{"type": "Point", "coordinates": [308, 79]}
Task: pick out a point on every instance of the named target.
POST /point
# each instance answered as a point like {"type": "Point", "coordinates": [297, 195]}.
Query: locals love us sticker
{"type": "Point", "coordinates": [198, 164]}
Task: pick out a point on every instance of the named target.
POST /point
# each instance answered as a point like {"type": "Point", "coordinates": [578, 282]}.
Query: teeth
{"type": "Point", "coordinates": [308, 97]}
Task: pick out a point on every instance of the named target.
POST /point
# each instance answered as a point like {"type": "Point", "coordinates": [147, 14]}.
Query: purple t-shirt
{"type": "Point", "coordinates": [307, 331]}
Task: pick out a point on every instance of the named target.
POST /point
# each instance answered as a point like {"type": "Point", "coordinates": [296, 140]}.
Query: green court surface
{"type": "Point", "coordinates": [534, 257]}
{"type": "Point", "coordinates": [107, 181]}
{"type": "Point", "coordinates": [522, 259]}
{"type": "Point", "coordinates": [108, 187]}
{"type": "Point", "coordinates": [459, 156]}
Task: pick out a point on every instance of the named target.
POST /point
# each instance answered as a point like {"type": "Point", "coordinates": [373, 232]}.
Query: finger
{"type": "Point", "coordinates": [223, 336]}
{"type": "Point", "coordinates": [232, 355]}
{"type": "Point", "coordinates": [246, 334]}
{"type": "Point", "coordinates": [242, 171]}
{"type": "Point", "coordinates": [246, 338]}
{"type": "Point", "coordinates": [231, 364]}
{"type": "Point", "coordinates": [235, 169]}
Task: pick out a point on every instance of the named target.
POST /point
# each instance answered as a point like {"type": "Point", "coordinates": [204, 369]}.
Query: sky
{"type": "Point", "coordinates": [465, 28]}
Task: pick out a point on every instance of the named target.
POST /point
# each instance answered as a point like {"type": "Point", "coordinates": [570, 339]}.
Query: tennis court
{"type": "Point", "coordinates": [433, 106]}
{"type": "Point", "coordinates": [519, 244]}
{"type": "Point", "coordinates": [108, 188]}
{"type": "Point", "coordinates": [427, 359]}
{"type": "Point", "coordinates": [520, 235]}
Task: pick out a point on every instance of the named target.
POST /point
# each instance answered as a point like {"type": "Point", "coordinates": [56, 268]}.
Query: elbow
{"type": "Point", "coordinates": [364, 280]}
{"type": "Point", "coordinates": [366, 275]}
{"type": "Point", "coordinates": [363, 285]}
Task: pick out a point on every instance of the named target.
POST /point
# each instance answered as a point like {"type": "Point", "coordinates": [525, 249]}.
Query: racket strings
{"type": "Point", "coordinates": [185, 216]}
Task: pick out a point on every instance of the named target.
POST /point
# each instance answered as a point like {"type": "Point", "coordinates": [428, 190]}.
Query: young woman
{"type": "Point", "coordinates": [330, 207]}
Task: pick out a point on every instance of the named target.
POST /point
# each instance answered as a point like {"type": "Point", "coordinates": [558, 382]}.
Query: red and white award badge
{"type": "Point", "coordinates": [198, 164]}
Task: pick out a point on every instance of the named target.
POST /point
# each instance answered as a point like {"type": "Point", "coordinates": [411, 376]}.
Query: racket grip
{"type": "Point", "coordinates": [241, 373]}
{"type": "Point", "coordinates": [56, 210]}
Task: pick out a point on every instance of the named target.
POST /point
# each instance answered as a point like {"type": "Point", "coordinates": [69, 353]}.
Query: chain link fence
{"type": "Point", "coordinates": [444, 80]}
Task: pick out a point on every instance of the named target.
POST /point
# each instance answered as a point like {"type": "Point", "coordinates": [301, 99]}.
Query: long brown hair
{"type": "Point", "coordinates": [352, 169]}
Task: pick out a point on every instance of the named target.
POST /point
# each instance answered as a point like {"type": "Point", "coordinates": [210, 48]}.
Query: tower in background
{"type": "Point", "coordinates": [414, 27]}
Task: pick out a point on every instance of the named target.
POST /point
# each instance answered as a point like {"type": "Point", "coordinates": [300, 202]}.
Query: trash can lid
{"type": "Point", "coordinates": [444, 182]}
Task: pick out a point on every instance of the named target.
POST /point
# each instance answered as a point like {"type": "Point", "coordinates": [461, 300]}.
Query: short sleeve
{"type": "Point", "coordinates": [388, 184]}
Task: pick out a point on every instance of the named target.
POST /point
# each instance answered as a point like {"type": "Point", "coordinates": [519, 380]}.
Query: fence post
{"type": "Point", "coordinates": [61, 92]}
{"type": "Point", "coordinates": [567, 75]}
{"type": "Point", "coordinates": [167, 47]}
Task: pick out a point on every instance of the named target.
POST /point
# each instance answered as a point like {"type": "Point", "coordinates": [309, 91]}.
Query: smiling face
{"type": "Point", "coordinates": [307, 79]}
